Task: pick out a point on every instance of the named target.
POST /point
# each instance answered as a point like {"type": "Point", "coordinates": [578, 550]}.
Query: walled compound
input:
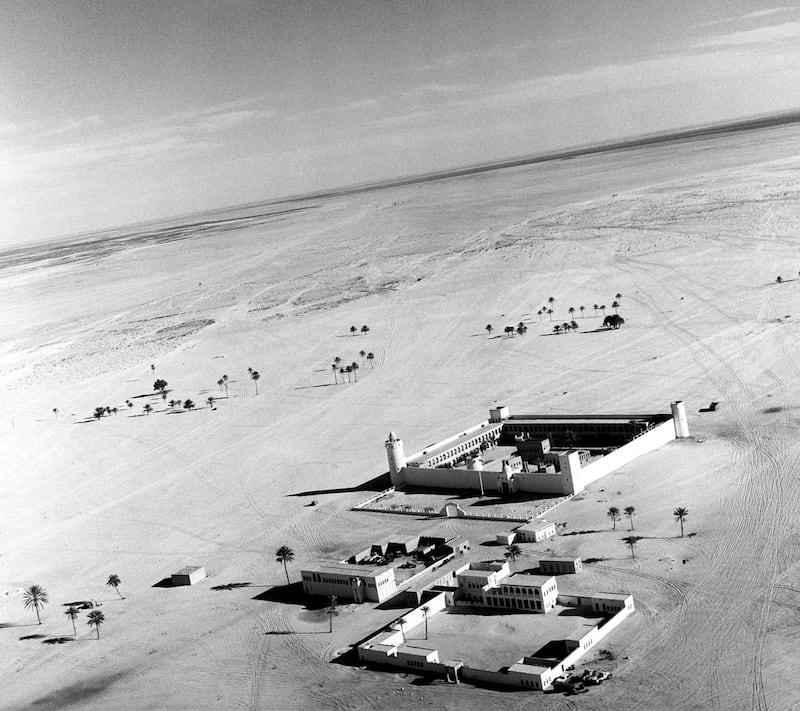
{"type": "Point", "coordinates": [585, 621]}
{"type": "Point", "coordinates": [543, 454]}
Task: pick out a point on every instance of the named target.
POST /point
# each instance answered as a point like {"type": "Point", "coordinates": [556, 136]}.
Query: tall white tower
{"type": "Point", "coordinates": [396, 456]}
{"type": "Point", "coordinates": [679, 417]}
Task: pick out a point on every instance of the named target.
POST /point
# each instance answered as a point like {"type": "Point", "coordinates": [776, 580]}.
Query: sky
{"type": "Point", "coordinates": [114, 112]}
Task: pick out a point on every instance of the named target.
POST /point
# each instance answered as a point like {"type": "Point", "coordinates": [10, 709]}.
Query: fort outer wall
{"type": "Point", "coordinates": [644, 443]}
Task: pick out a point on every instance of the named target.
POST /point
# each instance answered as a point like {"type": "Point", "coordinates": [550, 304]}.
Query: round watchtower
{"type": "Point", "coordinates": [396, 456]}
{"type": "Point", "coordinates": [679, 417]}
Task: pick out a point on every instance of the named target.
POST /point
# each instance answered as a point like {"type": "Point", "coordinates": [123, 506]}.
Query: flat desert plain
{"type": "Point", "coordinates": [692, 233]}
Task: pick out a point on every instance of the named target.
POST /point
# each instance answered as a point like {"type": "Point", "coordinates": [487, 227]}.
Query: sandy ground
{"type": "Point", "coordinates": [693, 234]}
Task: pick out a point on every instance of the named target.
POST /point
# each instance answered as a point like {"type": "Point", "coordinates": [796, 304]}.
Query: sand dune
{"type": "Point", "coordinates": [693, 233]}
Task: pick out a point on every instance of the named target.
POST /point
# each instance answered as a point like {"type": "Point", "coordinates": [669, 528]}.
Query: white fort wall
{"type": "Point", "coordinates": [644, 443]}
{"type": "Point", "coordinates": [571, 479]}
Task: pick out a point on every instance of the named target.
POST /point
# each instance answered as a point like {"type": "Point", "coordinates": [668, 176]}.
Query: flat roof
{"type": "Point", "coordinates": [477, 573]}
{"type": "Point", "coordinates": [414, 651]}
{"type": "Point", "coordinates": [611, 596]}
{"type": "Point", "coordinates": [527, 579]}
{"type": "Point", "coordinates": [434, 448]}
{"type": "Point", "coordinates": [559, 560]}
{"type": "Point", "coordinates": [589, 418]}
{"type": "Point", "coordinates": [189, 569]}
{"type": "Point", "coordinates": [363, 571]}
{"type": "Point", "coordinates": [535, 526]}
{"type": "Point", "coordinates": [522, 668]}
{"type": "Point", "coordinates": [428, 576]}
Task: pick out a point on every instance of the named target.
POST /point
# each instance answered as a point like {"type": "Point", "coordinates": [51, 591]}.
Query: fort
{"type": "Point", "coordinates": [557, 455]}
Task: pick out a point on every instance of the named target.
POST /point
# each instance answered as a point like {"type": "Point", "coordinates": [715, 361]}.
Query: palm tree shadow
{"type": "Point", "coordinates": [321, 385]}
{"type": "Point", "coordinates": [5, 625]}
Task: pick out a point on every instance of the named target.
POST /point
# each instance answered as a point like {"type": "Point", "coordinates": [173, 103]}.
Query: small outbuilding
{"type": "Point", "coordinates": [189, 575]}
{"type": "Point", "coordinates": [535, 531]}
{"type": "Point", "coordinates": [505, 538]}
{"type": "Point", "coordinates": [560, 566]}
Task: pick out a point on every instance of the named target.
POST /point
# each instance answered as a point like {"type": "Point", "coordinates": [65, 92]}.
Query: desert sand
{"type": "Point", "coordinates": [692, 233]}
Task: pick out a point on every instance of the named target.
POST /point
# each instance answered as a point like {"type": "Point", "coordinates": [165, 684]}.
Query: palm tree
{"type": "Point", "coordinates": [402, 621]}
{"type": "Point", "coordinates": [630, 512]}
{"type": "Point", "coordinates": [509, 330]}
{"type": "Point", "coordinates": [551, 301]}
{"type": "Point", "coordinates": [284, 555]}
{"type": "Point", "coordinates": [55, 412]}
{"type": "Point", "coordinates": [99, 412]}
{"type": "Point", "coordinates": [571, 310]}
{"type": "Point", "coordinates": [164, 397]}
{"type": "Point", "coordinates": [489, 328]}
{"type": "Point", "coordinates": [211, 400]}
{"type": "Point", "coordinates": [225, 384]}
{"type": "Point", "coordinates": [581, 309]}
{"type": "Point", "coordinates": [354, 367]}
{"type": "Point", "coordinates": [342, 373]}
{"type": "Point", "coordinates": [595, 307]}
{"type": "Point", "coordinates": [160, 385]}
{"type": "Point", "coordinates": [613, 514]}
{"type": "Point", "coordinates": [188, 404]}
{"type": "Point", "coordinates": [255, 376]}
{"type": "Point", "coordinates": [550, 313]}
{"type": "Point", "coordinates": [370, 358]}
{"type": "Point", "coordinates": [153, 368]}
{"type": "Point", "coordinates": [779, 280]}
{"type": "Point", "coordinates": [680, 515]}
{"type": "Point", "coordinates": [364, 330]}
{"type": "Point", "coordinates": [148, 408]}
{"type": "Point", "coordinates": [615, 306]}
{"type": "Point", "coordinates": [333, 368]}
{"type": "Point", "coordinates": [35, 596]}
{"type": "Point", "coordinates": [332, 612]}
{"type": "Point", "coordinates": [573, 325]}
{"type": "Point", "coordinates": [114, 581]}
{"type": "Point", "coordinates": [632, 541]}
{"type": "Point", "coordinates": [603, 309]}
{"type": "Point", "coordinates": [96, 618]}
{"type": "Point", "coordinates": [220, 382]}
{"type": "Point", "coordinates": [363, 355]}
{"type": "Point", "coordinates": [337, 360]}
{"type": "Point", "coordinates": [512, 551]}
{"type": "Point", "coordinates": [426, 610]}
{"type": "Point", "coordinates": [129, 404]}
{"type": "Point", "coordinates": [557, 329]}
{"type": "Point", "coordinates": [114, 410]}
{"type": "Point", "coordinates": [73, 614]}
{"type": "Point", "coordinates": [539, 314]}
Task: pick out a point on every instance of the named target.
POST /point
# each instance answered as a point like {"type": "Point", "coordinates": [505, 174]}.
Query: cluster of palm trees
{"type": "Point", "coordinates": [102, 411]}
{"type": "Point", "coordinates": [354, 330]}
{"type": "Point", "coordinates": [520, 329]}
{"type": "Point", "coordinates": [680, 514]}
{"type": "Point", "coordinates": [565, 327]}
{"type": "Point", "coordinates": [35, 597]}
{"type": "Point", "coordinates": [350, 371]}
{"type": "Point", "coordinates": [548, 309]}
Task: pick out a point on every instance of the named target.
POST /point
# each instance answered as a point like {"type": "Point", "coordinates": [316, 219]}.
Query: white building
{"type": "Point", "coordinates": [350, 582]}
{"type": "Point", "coordinates": [535, 531]}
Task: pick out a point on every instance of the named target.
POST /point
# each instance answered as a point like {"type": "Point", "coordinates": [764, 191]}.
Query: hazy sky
{"type": "Point", "coordinates": [118, 112]}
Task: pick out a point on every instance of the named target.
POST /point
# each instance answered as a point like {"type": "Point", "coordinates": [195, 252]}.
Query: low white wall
{"type": "Point", "coordinates": [647, 442]}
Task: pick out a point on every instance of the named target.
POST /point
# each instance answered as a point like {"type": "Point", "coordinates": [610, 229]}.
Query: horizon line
{"type": "Point", "coordinates": [750, 123]}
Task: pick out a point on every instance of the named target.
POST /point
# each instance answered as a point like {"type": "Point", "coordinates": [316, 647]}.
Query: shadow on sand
{"type": "Point", "coordinates": [379, 483]}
